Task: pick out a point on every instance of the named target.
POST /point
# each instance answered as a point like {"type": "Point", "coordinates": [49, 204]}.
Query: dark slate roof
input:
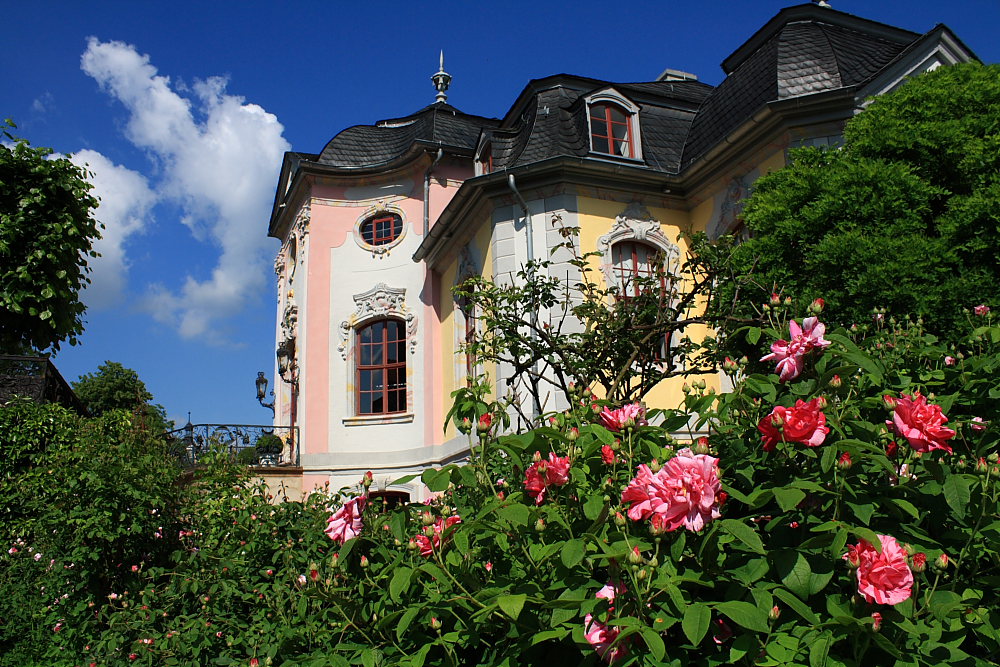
{"type": "Point", "coordinates": [803, 50]}
{"type": "Point", "coordinates": [388, 140]}
{"type": "Point", "coordinates": [550, 120]}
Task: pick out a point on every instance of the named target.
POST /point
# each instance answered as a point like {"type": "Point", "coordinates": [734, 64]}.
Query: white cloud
{"type": "Point", "coordinates": [126, 201]}
{"type": "Point", "coordinates": [220, 166]}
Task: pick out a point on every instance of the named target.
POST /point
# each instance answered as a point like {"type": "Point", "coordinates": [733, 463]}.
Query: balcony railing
{"type": "Point", "coordinates": [252, 444]}
{"type": "Point", "coordinates": [37, 379]}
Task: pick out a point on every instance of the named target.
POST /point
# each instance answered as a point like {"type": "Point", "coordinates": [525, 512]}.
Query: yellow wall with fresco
{"type": "Point", "coordinates": [596, 218]}
{"type": "Point", "coordinates": [452, 359]}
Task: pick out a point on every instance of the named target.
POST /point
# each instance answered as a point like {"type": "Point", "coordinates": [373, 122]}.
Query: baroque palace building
{"type": "Point", "coordinates": [381, 224]}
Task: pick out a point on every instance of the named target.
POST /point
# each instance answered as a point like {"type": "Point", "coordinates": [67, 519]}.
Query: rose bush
{"type": "Point", "coordinates": [713, 534]}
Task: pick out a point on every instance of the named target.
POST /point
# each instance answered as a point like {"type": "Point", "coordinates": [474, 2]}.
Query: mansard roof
{"type": "Point", "coordinates": [438, 124]}
{"type": "Point", "coordinates": [549, 119]}
{"type": "Point", "coordinates": [803, 50]}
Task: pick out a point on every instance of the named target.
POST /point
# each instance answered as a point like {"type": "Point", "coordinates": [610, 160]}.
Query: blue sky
{"type": "Point", "coordinates": [183, 110]}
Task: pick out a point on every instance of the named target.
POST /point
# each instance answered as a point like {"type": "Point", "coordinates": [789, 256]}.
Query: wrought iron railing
{"type": "Point", "coordinates": [252, 444]}
{"type": "Point", "coordinates": [38, 379]}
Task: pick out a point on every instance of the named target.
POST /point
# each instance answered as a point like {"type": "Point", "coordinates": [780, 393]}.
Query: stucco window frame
{"type": "Point", "coordinates": [611, 97]}
{"type": "Point", "coordinates": [380, 209]}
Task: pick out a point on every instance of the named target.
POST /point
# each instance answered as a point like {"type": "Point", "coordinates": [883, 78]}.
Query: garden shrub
{"type": "Point", "coordinates": [844, 516]}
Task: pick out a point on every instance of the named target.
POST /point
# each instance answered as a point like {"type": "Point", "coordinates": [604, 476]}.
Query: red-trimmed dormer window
{"type": "Point", "coordinates": [381, 229]}
{"type": "Point", "coordinates": [486, 160]}
{"type": "Point", "coordinates": [611, 130]}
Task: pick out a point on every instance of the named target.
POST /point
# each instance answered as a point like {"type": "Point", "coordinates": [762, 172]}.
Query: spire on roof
{"type": "Point", "coordinates": [441, 81]}
{"type": "Point", "coordinates": [821, 3]}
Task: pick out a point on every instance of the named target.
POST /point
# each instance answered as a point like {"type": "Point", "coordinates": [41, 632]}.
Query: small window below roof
{"type": "Point", "coordinates": [381, 229]}
{"type": "Point", "coordinates": [614, 125]}
{"type": "Point", "coordinates": [485, 161]}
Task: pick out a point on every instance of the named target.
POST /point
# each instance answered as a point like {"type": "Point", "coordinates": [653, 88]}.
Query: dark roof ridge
{"type": "Point", "coordinates": [812, 12]}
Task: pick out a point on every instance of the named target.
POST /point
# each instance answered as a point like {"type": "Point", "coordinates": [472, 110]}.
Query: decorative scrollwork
{"type": "Point", "coordinates": [380, 301]}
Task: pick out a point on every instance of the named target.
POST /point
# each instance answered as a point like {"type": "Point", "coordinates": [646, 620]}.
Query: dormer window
{"type": "Point", "coordinates": [614, 125]}
{"type": "Point", "coordinates": [485, 160]}
{"type": "Point", "coordinates": [610, 130]}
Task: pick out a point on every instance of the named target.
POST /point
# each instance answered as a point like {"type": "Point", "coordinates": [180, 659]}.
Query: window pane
{"type": "Point", "coordinates": [598, 127]}
{"type": "Point", "coordinates": [617, 115]}
{"type": "Point", "coordinates": [378, 401]}
{"type": "Point", "coordinates": [376, 355]}
{"type": "Point", "coordinates": [620, 131]}
{"type": "Point", "coordinates": [365, 378]}
{"type": "Point", "coordinates": [600, 144]}
{"type": "Point", "coordinates": [365, 404]}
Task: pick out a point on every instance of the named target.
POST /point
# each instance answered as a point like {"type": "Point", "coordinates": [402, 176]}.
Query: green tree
{"type": "Point", "coordinates": [905, 215]}
{"type": "Point", "coordinates": [47, 230]}
{"type": "Point", "coordinates": [114, 387]}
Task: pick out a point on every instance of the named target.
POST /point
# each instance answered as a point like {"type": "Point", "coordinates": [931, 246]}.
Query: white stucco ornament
{"type": "Point", "coordinates": [379, 302]}
{"type": "Point", "coordinates": [636, 223]}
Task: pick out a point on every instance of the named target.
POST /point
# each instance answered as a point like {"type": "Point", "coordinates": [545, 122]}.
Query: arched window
{"type": "Point", "coordinates": [381, 368]}
{"type": "Point", "coordinates": [381, 229]}
{"type": "Point", "coordinates": [468, 309]}
{"type": "Point", "coordinates": [611, 130]}
{"type": "Point", "coordinates": [637, 267]}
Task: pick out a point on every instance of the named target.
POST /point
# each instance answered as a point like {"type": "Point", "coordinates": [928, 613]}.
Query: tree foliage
{"type": "Point", "coordinates": [554, 333]}
{"type": "Point", "coordinates": [47, 230]}
{"type": "Point", "coordinates": [906, 215]}
{"type": "Point", "coordinates": [114, 387]}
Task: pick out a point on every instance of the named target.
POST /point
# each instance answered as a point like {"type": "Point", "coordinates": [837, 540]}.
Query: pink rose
{"type": "Point", "coordinates": [921, 423]}
{"type": "Point", "coordinates": [978, 424]}
{"type": "Point", "coordinates": [346, 523]}
{"type": "Point", "coordinates": [949, 361]}
{"type": "Point", "coordinates": [607, 454]}
{"type": "Point", "coordinates": [543, 474]}
{"type": "Point", "coordinates": [804, 423]}
{"type": "Point", "coordinates": [981, 310]}
{"type": "Point", "coordinates": [683, 493]}
{"type": "Point", "coordinates": [426, 544]}
{"type": "Point", "coordinates": [627, 415]}
{"type": "Point", "coordinates": [599, 635]}
{"type": "Point", "coordinates": [790, 354]}
{"type": "Point", "coordinates": [883, 578]}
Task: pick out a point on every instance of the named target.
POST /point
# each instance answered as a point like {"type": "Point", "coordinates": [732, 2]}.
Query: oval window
{"type": "Point", "coordinates": [381, 229]}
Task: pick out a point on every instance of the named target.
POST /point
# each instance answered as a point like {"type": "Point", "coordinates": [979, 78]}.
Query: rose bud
{"type": "Point", "coordinates": [816, 307]}
{"type": "Point", "coordinates": [835, 382]}
{"type": "Point", "coordinates": [635, 556]}
{"type": "Point", "coordinates": [775, 613]}
{"type": "Point", "coordinates": [876, 621]}
{"type": "Point", "coordinates": [573, 434]}
{"type": "Point", "coordinates": [844, 462]}
{"type": "Point", "coordinates": [366, 481]}
{"type": "Point", "coordinates": [620, 519]}
{"type": "Point", "coordinates": [701, 445]}
{"type": "Point", "coordinates": [364, 561]}
{"type": "Point", "coordinates": [485, 423]}
{"type": "Point", "coordinates": [775, 299]}
{"type": "Point", "coordinates": [889, 402]}
{"type": "Point", "coordinates": [730, 366]}
{"type": "Point", "coordinates": [465, 426]}
{"type": "Point", "coordinates": [435, 623]}
{"type": "Point", "coordinates": [942, 561]}
{"type": "Point", "coordinates": [919, 563]}
{"type": "Point", "coordinates": [540, 525]}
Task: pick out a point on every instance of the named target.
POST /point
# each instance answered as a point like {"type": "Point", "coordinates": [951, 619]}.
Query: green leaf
{"type": "Point", "coordinates": [654, 643]}
{"type": "Point", "coordinates": [789, 498]}
{"type": "Point", "coordinates": [400, 582]}
{"type": "Point", "coordinates": [695, 622]}
{"type": "Point", "coordinates": [798, 576]}
{"type": "Point", "coordinates": [515, 514]}
{"type": "Point", "coordinates": [957, 494]}
{"type": "Point", "coordinates": [744, 534]}
{"type": "Point", "coordinates": [592, 508]}
{"type": "Point", "coordinates": [794, 603]}
{"type": "Point", "coordinates": [573, 552]}
{"type": "Point", "coordinates": [827, 460]}
{"type": "Point", "coordinates": [406, 620]}
{"type": "Point", "coordinates": [869, 536]}
{"type": "Point", "coordinates": [906, 506]}
{"type": "Point", "coordinates": [943, 603]}
{"type": "Point", "coordinates": [512, 604]}
{"type": "Point", "coordinates": [863, 511]}
{"type": "Point", "coordinates": [819, 649]}
{"type": "Point", "coordinates": [753, 335]}
{"type": "Point", "coordinates": [744, 614]}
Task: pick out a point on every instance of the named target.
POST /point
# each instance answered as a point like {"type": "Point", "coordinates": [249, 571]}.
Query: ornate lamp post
{"type": "Point", "coordinates": [261, 383]}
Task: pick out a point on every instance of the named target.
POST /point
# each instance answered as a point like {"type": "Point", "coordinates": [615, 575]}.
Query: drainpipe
{"type": "Point", "coordinates": [427, 191]}
{"type": "Point", "coordinates": [536, 406]}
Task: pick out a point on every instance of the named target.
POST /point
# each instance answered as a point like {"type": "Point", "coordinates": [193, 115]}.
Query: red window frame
{"type": "Point", "coordinates": [380, 371]}
{"type": "Point", "coordinates": [469, 312]}
{"type": "Point", "coordinates": [381, 229]}
{"type": "Point", "coordinates": [486, 159]}
{"type": "Point", "coordinates": [602, 113]}
{"type": "Point", "coordinates": [627, 270]}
